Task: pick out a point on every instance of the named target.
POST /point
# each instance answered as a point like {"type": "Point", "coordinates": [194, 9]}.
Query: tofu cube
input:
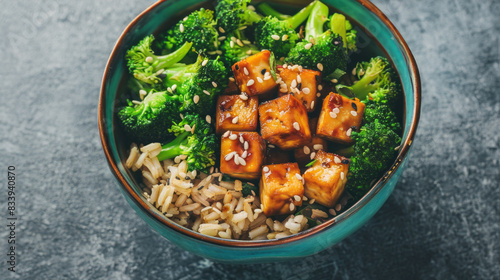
{"type": "Point", "coordinates": [339, 117]}
{"type": "Point", "coordinates": [326, 179]}
{"type": "Point", "coordinates": [234, 113]}
{"type": "Point", "coordinates": [302, 84]}
{"type": "Point", "coordinates": [253, 74]}
{"type": "Point", "coordinates": [280, 185]}
{"type": "Point", "coordinates": [284, 122]}
{"type": "Point", "coordinates": [305, 154]}
{"type": "Point", "coordinates": [242, 154]}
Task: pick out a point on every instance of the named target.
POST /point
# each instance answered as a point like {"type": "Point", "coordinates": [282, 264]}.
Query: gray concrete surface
{"type": "Point", "coordinates": [442, 221]}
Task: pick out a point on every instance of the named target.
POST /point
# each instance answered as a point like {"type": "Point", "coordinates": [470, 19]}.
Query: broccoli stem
{"type": "Point", "coordinates": [314, 24]}
{"type": "Point", "coordinates": [297, 19]}
{"type": "Point", "coordinates": [174, 148]}
{"type": "Point", "coordinates": [252, 16]}
{"type": "Point", "coordinates": [338, 26]}
{"type": "Point", "coordinates": [364, 86]}
{"type": "Point", "coordinates": [163, 61]}
{"type": "Point", "coordinates": [267, 10]}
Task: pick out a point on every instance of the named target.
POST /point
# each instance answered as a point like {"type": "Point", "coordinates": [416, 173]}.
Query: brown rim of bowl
{"type": "Point", "coordinates": [414, 74]}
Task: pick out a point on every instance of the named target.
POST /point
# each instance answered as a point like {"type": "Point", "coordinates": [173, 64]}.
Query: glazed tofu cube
{"type": "Point", "coordinates": [339, 117]}
{"type": "Point", "coordinates": [253, 74]}
{"type": "Point", "coordinates": [234, 113]}
{"type": "Point", "coordinates": [305, 154]}
{"type": "Point", "coordinates": [242, 154]}
{"type": "Point", "coordinates": [281, 189]}
{"type": "Point", "coordinates": [302, 84]}
{"type": "Point", "coordinates": [275, 155]}
{"type": "Point", "coordinates": [326, 179]}
{"type": "Point", "coordinates": [284, 123]}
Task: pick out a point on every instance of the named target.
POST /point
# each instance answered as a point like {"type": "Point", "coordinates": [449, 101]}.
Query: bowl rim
{"type": "Point", "coordinates": [404, 148]}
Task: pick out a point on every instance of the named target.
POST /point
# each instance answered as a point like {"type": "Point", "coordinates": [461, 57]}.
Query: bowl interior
{"type": "Point", "coordinates": [376, 35]}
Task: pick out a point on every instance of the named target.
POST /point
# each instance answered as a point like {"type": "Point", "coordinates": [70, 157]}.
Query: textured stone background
{"type": "Point", "coordinates": [442, 221]}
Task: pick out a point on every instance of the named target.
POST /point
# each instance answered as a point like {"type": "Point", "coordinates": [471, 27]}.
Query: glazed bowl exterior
{"type": "Point", "coordinates": [163, 13]}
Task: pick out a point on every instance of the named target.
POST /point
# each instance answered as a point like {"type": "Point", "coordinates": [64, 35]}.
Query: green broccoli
{"type": "Point", "coordinates": [198, 143]}
{"type": "Point", "coordinates": [233, 14]}
{"type": "Point", "coordinates": [199, 28]}
{"type": "Point", "coordinates": [266, 9]}
{"type": "Point", "coordinates": [351, 37]}
{"type": "Point", "coordinates": [148, 67]}
{"type": "Point", "coordinates": [339, 25]}
{"type": "Point", "coordinates": [147, 121]}
{"type": "Point", "coordinates": [377, 82]}
{"type": "Point", "coordinates": [320, 50]}
{"type": "Point", "coordinates": [237, 47]}
{"type": "Point", "coordinates": [279, 36]}
{"type": "Point", "coordinates": [374, 151]}
{"type": "Point", "coordinates": [383, 114]}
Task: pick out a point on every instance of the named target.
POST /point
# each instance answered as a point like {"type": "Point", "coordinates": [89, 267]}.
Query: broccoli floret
{"type": "Point", "coordinates": [377, 82]}
{"type": "Point", "coordinates": [374, 152]}
{"type": "Point", "coordinates": [199, 143]}
{"type": "Point", "coordinates": [147, 121]}
{"type": "Point", "coordinates": [232, 14]}
{"type": "Point", "coordinates": [351, 37]}
{"type": "Point", "coordinates": [383, 114]}
{"type": "Point", "coordinates": [148, 67]}
{"type": "Point", "coordinates": [248, 188]}
{"type": "Point", "coordinates": [279, 36]}
{"type": "Point", "coordinates": [199, 28]}
{"type": "Point", "coordinates": [319, 47]}
{"type": "Point", "coordinates": [237, 48]}
{"type": "Point", "coordinates": [339, 25]}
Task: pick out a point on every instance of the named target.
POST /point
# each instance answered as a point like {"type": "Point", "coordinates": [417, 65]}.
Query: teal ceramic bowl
{"type": "Point", "coordinates": [380, 37]}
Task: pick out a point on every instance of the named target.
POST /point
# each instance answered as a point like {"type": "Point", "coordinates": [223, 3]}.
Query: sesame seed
{"type": "Point", "coordinates": [354, 113]}
{"type": "Point", "coordinates": [320, 87]}
{"type": "Point", "coordinates": [169, 89]}
{"type": "Point", "coordinates": [245, 145]}
{"type": "Point", "coordinates": [185, 18]}
{"type": "Point", "coordinates": [349, 131]}
{"type": "Point", "coordinates": [249, 52]}
{"type": "Point", "coordinates": [318, 94]}
{"type": "Point", "coordinates": [296, 126]}
{"type": "Point", "coordinates": [242, 161]}
{"type": "Point", "coordinates": [231, 44]}
{"type": "Point", "coordinates": [337, 160]}
{"type": "Point", "coordinates": [308, 46]}
{"type": "Point", "coordinates": [299, 80]}
{"type": "Point", "coordinates": [312, 201]}
{"type": "Point", "coordinates": [244, 155]}
{"type": "Point", "coordinates": [267, 76]}
{"type": "Point", "coordinates": [204, 62]}
{"type": "Point", "coordinates": [333, 115]}
{"type": "Point", "coordinates": [142, 93]}
{"type": "Point", "coordinates": [221, 30]}
{"type": "Point", "coordinates": [275, 37]}
{"type": "Point", "coordinates": [265, 169]}
{"type": "Point", "coordinates": [306, 150]}
{"type": "Point", "coordinates": [338, 207]}
{"type": "Point", "coordinates": [208, 118]}
{"type": "Point", "coordinates": [297, 197]}
{"type": "Point", "coordinates": [235, 120]}
{"type": "Point", "coordinates": [239, 43]}
{"type": "Point", "coordinates": [214, 84]}
{"type": "Point", "coordinates": [206, 92]}
{"type": "Point", "coordinates": [218, 52]}
{"type": "Point", "coordinates": [336, 110]}
{"type": "Point", "coordinates": [231, 79]}
{"type": "Point", "coordinates": [342, 175]}
{"type": "Point", "coordinates": [236, 160]}
{"type": "Point", "coordinates": [313, 154]}
{"type": "Point", "coordinates": [271, 146]}
{"type": "Point", "coordinates": [318, 147]}
{"type": "Point", "coordinates": [181, 27]}
{"type": "Point", "coordinates": [312, 104]}
{"type": "Point", "coordinates": [192, 129]}
{"type": "Point", "coordinates": [292, 207]}
{"type": "Point", "coordinates": [284, 37]}
{"type": "Point", "coordinates": [136, 102]}
{"type": "Point", "coordinates": [221, 38]}
{"type": "Point", "coordinates": [294, 83]}
{"type": "Point", "coordinates": [285, 65]}
{"type": "Point", "coordinates": [196, 98]}
{"type": "Point", "coordinates": [182, 117]}
{"type": "Point", "coordinates": [226, 134]}
{"type": "Point", "coordinates": [298, 176]}
{"type": "Point", "coordinates": [242, 140]}
{"type": "Point", "coordinates": [332, 212]}
{"type": "Point", "coordinates": [245, 70]}
{"type": "Point", "coordinates": [306, 90]}
{"type": "Point", "coordinates": [187, 127]}
{"type": "Point", "coordinates": [233, 137]}
{"type": "Point", "coordinates": [259, 79]}
{"type": "Point", "coordinates": [246, 42]}
{"type": "Point", "coordinates": [243, 96]}
{"type": "Point", "coordinates": [250, 82]}
{"type": "Point", "coordinates": [320, 66]}
{"type": "Point", "coordinates": [149, 59]}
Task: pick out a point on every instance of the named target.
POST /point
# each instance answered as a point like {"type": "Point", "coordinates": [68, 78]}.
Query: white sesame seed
{"type": "Point", "coordinates": [245, 70]}
{"type": "Point", "coordinates": [192, 129]}
{"type": "Point", "coordinates": [298, 176]}
{"type": "Point", "coordinates": [149, 59]}
{"type": "Point", "coordinates": [236, 160]}
{"type": "Point", "coordinates": [169, 89]}
{"type": "Point", "coordinates": [196, 98]}
{"type": "Point", "coordinates": [306, 90]}
{"type": "Point", "coordinates": [294, 83]}
{"type": "Point", "coordinates": [218, 52]}
{"type": "Point", "coordinates": [271, 146]}
{"type": "Point", "coordinates": [206, 92]}
{"type": "Point", "coordinates": [337, 160]}
{"type": "Point", "coordinates": [185, 18]}
{"type": "Point", "coordinates": [318, 94]}
{"type": "Point", "coordinates": [318, 147]}
{"type": "Point", "coordinates": [244, 96]}
{"type": "Point", "coordinates": [231, 44]}
{"type": "Point", "coordinates": [142, 93]}
{"type": "Point", "coordinates": [259, 79]}
{"type": "Point", "coordinates": [299, 80]}
{"type": "Point", "coordinates": [284, 37]}
{"type": "Point", "coordinates": [229, 156]}
{"type": "Point", "coordinates": [181, 27]}
{"type": "Point", "coordinates": [221, 38]}
{"type": "Point", "coordinates": [283, 90]}
{"type": "Point", "coordinates": [246, 42]}
{"type": "Point", "coordinates": [231, 79]}
{"type": "Point", "coordinates": [296, 126]}
{"type": "Point", "coordinates": [265, 169]}
{"type": "Point", "coordinates": [244, 155]}
{"type": "Point", "coordinates": [312, 104]}
{"type": "Point", "coordinates": [338, 207]}
{"type": "Point", "coordinates": [313, 154]}
{"type": "Point", "coordinates": [333, 115]}
{"type": "Point", "coordinates": [221, 30]}
{"type": "Point", "coordinates": [320, 66]}
{"type": "Point", "coordinates": [349, 131]}
{"type": "Point", "coordinates": [208, 118]}
{"type": "Point", "coordinates": [239, 43]}
{"type": "Point", "coordinates": [242, 140]}
{"type": "Point", "coordinates": [235, 120]}
{"type": "Point", "coordinates": [354, 113]}
{"type": "Point", "coordinates": [306, 150]}
{"type": "Point", "coordinates": [320, 87]}
{"type": "Point", "coordinates": [342, 176]}
{"type": "Point", "coordinates": [250, 82]}
{"type": "Point", "coordinates": [353, 72]}
{"type": "Point", "coordinates": [308, 46]}
{"type": "Point", "coordinates": [187, 127]}
{"type": "Point", "coordinates": [226, 134]}
{"type": "Point", "coordinates": [214, 84]}
{"type": "Point", "coordinates": [285, 66]}
{"type": "Point", "coordinates": [300, 68]}
{"type": "Point", "coordinates": [233, 137]}
{"type": "Point", "coordinates": [297, 197]}
{"type": "Point", "coordinates": [312, 201]}
{"type": "Point", "coordinates": [292, 207]}
{"type": "Point", "coordinates": [336, 110]}
{"type": "Point", "coordinates": [136, 102]}
{"type": "Point", "coordinates": [275, 37]}
{"type": "Point", "coordinates": [204, 62]}
{"type": "Point", "coordinates": [242, 161]}
{"type": "Point", "coordinates": [182, 116]}
{"type": "Point", "coordinates": [233, 39]}
{"type": "Point", "coordinates": [249, 52]}
{"type": "Point", "coordinates": [245, 145]}
{"type": "Point", "coordinates": [332, 212]}
{"type": "Point", "coordinates": [267, 77]}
